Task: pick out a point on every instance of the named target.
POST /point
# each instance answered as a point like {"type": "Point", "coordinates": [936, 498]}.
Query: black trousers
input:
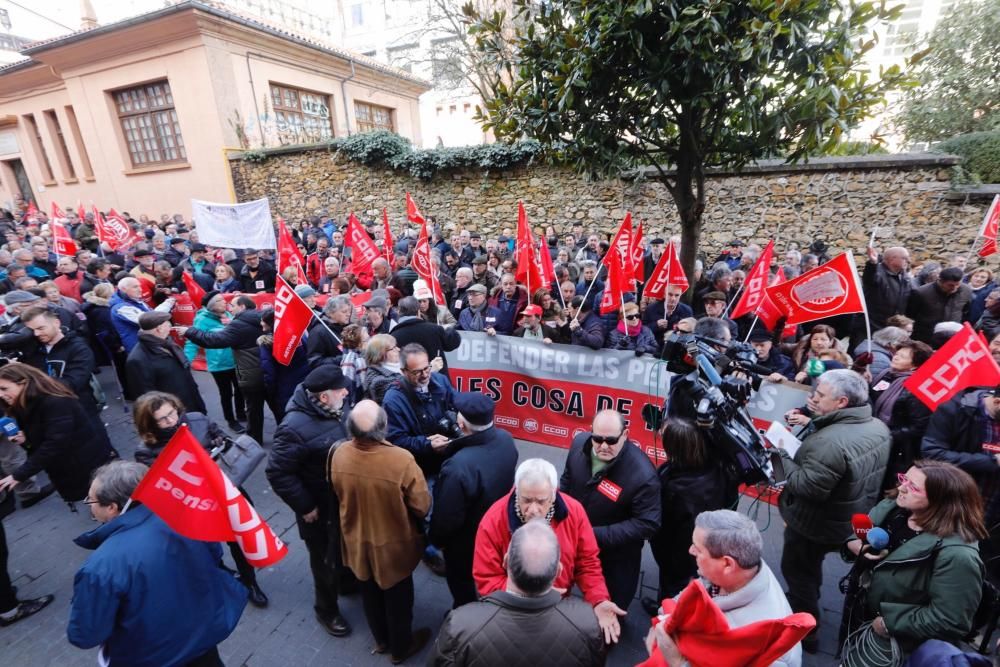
{"type": "Point", "coordinates": [677, 566]}
{"type": "Point", "coordinates": [255, 399]}
{"type": "Point", "coordinates": [208, 659]}
{"type": "Point", "coordinates": [802, 567]}
{"type": "Point", "coordinates": [325, 580]}
{"type": "Point", "coordinates": [230, 395]}
{"type": "Point", "coordinates": [390, 614]}
{"type": "Point", "coordinates": [458, 573]}
{"type": "Point", "coordinates": [621, 574]}
{"type": "Point", "coordinates": [7, 598]}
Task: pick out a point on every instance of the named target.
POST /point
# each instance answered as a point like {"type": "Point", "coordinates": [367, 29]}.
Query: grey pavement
{"type": "Point", "coordinates": [44, 559]}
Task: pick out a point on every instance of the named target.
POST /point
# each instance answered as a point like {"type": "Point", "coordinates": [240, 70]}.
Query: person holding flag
{"type": "Point", "coordinates": [147, 595]}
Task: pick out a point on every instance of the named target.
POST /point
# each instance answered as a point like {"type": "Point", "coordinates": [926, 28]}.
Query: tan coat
{"type": "Point", "coordinates": [383, 499]}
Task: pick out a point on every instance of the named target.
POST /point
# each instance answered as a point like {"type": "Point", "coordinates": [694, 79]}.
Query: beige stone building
{"type": "Point", "coordinates": [140, 114]}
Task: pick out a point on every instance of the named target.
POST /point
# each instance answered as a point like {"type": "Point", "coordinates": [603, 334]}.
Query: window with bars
{"type": "Point", "coordinates": [301, 116]}
{"type": "Point", "coordinates": [372, 117]}
{"type": "Point", "coordinates": [149, 123]}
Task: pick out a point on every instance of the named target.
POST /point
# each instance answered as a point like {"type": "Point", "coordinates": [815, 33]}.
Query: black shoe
{"type": "Point", "coordinates": [435, 564]}
{"type": "Point", "coordinates": [257, 597]}
{"type": "Point", "coordinates": [26, 608]}
{"type": "Point", "coordinates": [810, 643]}
{"type": "Point", "coordinates": [236, 427]}
{"type": "Point", "coordinates": [35, 498]}
{"type": "Point", "coordinates": [336, 626]}
{"type": "Point", "coordinates": [417, 643]}
{"type": "Point", "coordinates": [650, 606]}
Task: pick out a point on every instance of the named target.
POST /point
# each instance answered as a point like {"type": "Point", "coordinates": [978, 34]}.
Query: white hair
{"type": "Point", "coordinates": [537, 471]}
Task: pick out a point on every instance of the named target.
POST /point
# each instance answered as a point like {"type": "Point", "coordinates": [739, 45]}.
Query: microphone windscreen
{"type": "Point", "coordinates": [861, 523]}
{"type": "Point", "coordinates": [878, 538]}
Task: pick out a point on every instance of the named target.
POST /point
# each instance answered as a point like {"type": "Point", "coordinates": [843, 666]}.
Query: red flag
{"type": "Point", "coordinates": [989, 228]}
{"type": "Point", "coordinates": [387, 242]}
{"type": "Point", "coordinates": [32, 211]}
{"type": "Point", "coordinates": [548, 271]}
{"type": "Point", "coordinates": [194, 290]}
{"type": "Point", "coordinates": [80, 212]}
{"type": "Point", "coordinates": [616, 284]}
{"type": "Point", "coordinates": [964, 361]}
{"type": "Point", "coordinates": [114, 230]}
{"type": "Point", "coordinates": [412, 212]}
{"type": "Point", "coordinates": [636, 254]}
{"type": "Point", "coordinates": [668, 271]}
{"type": "Point", "coordinates": [828, 290]}
{"type": "Point", "coordinates": [528, 271]}
{"type": "Point", "coordinates": [288, 253]}
{"type": "Point", "coordinates": [57, 213]}
{"type": "Point", "coordinates": [422, 259]}
{"type": "Point", "coordinates": [621, 244]}
{"type": "Point", "coordinates": [363, 249]}
{"type": "Point", "coordinates": [291, 318]}
{"type": "Point", "coordinates": [755, 284]}
{"type": "Point", "coordinates": [186, 489]}
{"type": "Point", "coordinates": [62, 242]}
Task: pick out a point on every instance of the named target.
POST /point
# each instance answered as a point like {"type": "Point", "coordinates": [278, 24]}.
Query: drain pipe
{"type": "Point", "coordinates": [343, 95]}
{"type": "Point", "coordinates": [256, 108]}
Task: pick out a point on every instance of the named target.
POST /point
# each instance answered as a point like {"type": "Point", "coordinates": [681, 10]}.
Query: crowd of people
{"type": "Point", "coordinates": [385, 464]}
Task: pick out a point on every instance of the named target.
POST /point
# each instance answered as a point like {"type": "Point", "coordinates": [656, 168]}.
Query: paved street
{"type": "Point", "coordinates": [44, 559]}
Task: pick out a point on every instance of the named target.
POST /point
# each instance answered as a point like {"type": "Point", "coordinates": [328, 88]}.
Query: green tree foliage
{"type": "Point", "coordinates": [682, 85]}
{"type": "Point", "coordinates": [980, 152]}
{"type": "Point", "coordinates": [959, 80]}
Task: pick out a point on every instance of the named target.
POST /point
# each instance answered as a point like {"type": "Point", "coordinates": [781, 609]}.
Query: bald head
{"type": "Point", "coordinates": [532, 559]}
{"type": "Point", "coordinates": [367, 421]}
{"type": "Point", "coordinates": [896, 258]}
{"type": "Point", "coordinates": [608, 420]}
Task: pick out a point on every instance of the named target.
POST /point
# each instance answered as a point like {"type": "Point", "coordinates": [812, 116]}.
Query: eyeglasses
{"type": "Point", "coordinates": [88, 501]}
{"type": "Point", "coordinates": [904, 482]}
{"type": "Point", "coordinates": [418, 371]}
{"type": "Point", "coordinates": [606, 439]}
{"type": "Point", "coordinates": [168, 418]}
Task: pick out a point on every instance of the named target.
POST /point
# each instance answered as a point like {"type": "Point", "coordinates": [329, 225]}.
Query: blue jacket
{"type": "Point", "coordinates": [125, 317]}
{"type": "Point", "coordinates": [151, 596]}
{"type": "Point", "coordinates": [409, 428]}
{"type": "Point", "coordinates": [488, 317]}
{"type": "Point", "coordinates": [219, 359]}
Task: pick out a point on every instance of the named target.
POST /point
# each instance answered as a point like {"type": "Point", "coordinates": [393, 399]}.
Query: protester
{"type": "Point", "coordinates": [820, 338]}
{"type": "Point", "coordinates": [383, 367]}
{"type": "Point", "coordinates": [585, 326]}
{"type": "Point", "coordinates": [536, 496]}
{"type": "Point", "coordinates": [213, 316]}
{"type": "Point", "coordinates": [479, 471]}
{"type": "Point", "coordinates": [631, 334]}
{"type": "Point", "coordinates": [479, 315]}
{"type": "Point", "coordinates": [927, 583]}
{"type": "Point", "coordinates": [550, 629]}
{"type": "Point", "coordinates": [297, 471]}
{"type": "Point", "coordinates": [885, 284]}
{"type": "Point", "coordinates": [225, 279]}
{"type": "Point", "coordinates": [383, 499]}
{"type": "Point", "coordinates": [126, 307]}
{"type": "Point", "coordinates": [156, 363]}
{"type": "Point", "coordinates": [64, 440]}
{"type": "Point", "coordinates": [946, 299]}
{"type": "Point", "coordinates": [325, 337]}
{"type": "Point", "coordinates": [771, 357]}
{"type": "Point", "coordinates": [256, 275]}
{"type": "Point", "coordinates": [882, 346]}
{"type": "Point", "coordinates": [619, 490]}
{"type": "Point", "coordinates": [411, 327]}
{"type": "Point", "coordinates": [836, 473]}
{"type": "Point", "coordinates": [127, 596]}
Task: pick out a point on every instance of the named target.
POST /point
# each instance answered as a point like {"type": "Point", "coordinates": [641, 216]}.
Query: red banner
{"type": "Point", "coordinates": [828, 290]}
{"type": "Point", "coordinates": [363, 249]}
{"type": "Point", "coordinates": [291, 319]}
{"type": "Point", "coordinates": [186, 489]}
{"type": "Point", "coordinates": [964, 361]}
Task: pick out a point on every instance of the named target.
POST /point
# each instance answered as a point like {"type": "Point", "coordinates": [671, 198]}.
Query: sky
{"type": "Point", "coordinates": [43, 19]}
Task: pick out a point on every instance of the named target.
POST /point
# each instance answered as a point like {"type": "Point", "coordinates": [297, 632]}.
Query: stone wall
{"type": "Point", "coordinates": [839, 199]}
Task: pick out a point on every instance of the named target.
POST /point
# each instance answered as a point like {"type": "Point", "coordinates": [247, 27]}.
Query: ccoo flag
{"type": "Point", "coordinates": [964, 361]}
{"type": "Point", "coordinates": [755, 285]}
{"type": "Point", "coordinates": [291, 319]}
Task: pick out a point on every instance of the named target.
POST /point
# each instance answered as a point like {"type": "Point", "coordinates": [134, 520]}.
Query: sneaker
{"type": "Point", "coordinates": [35, 498]}
{"type": "Point", "coordinates": [26, 608]}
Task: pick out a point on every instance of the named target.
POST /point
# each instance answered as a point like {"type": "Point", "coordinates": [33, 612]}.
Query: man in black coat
{"type": "Point", "coordinates": [411, 328]}
{"type": "Point", "coordinates": [618, 487]}
{"type": "Point", "coordinates": [479, 471]}
{"type": "Point", "coordinates": [885, 284]}
{"type": "Point", "coordinates": [256, 274]}
{"type": "Point", "coordinates": [323, 343]}
{"type": "Point", "coordinates": [662, 316]}
{"type": "Point", "coordinates": [156, 363]}
{"type": "Point", "coordinates": [771, 357]}
{"type": "Point", "coordinates": [241, 335]}
{"type": "Point", "coordinates": [315, 421]}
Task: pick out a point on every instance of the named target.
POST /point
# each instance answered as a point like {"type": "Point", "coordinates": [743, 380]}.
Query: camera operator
{"type": "Point", "coordinates": [836, 473]}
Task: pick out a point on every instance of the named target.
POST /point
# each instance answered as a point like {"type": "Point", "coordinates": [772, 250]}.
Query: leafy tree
{"type": "Point", "coordinates": [681, 85]}
{"type": "Point", "coordinates": [959, 89]}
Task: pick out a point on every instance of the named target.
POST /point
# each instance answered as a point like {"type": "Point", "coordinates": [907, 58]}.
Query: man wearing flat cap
{"type": "Point", "coordinates": [315, 421]}
{"type": "Point", "coordinates": [479, 471]}
{"type": "Point", "coordinates": [479, 315]}
{"type": "Point", "coordinates": [156, 363]}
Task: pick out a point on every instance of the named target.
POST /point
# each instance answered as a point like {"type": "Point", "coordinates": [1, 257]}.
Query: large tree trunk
{"type": "Point", "coordinates": [688, 192]}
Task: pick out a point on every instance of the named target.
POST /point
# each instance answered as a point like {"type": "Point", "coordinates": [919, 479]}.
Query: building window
{"type": "Point", "coordinates": [357, 14]}
{"type": "Point", "coordinates": [56, 128]}
{"type": "Point", "coordinates": [371, 117]}
{"type": "Point", "coordinates": [43, 156]}
{"type": "Point", "coordinates": [74, 128]}
{"type": "Point", "coordinates": [302, 117]}
{"type": "Point", "coordinates": [149, 123]}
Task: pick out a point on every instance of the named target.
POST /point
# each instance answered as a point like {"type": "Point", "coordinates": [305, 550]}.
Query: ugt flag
{"type": "Point", "coordinates": [828, 290]}
{"type": "Point", "coordinates": [964, 361]}
{"type": "Point", "coordinates": [186, 489]}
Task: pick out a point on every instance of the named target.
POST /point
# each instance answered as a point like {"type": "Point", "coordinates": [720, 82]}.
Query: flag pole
{"type": "Point", "coordinates": [587, 293]}
{"type": "Point", "coordinates": [733, 300]}
{"type": "Point", "coordinates": [750, 331]}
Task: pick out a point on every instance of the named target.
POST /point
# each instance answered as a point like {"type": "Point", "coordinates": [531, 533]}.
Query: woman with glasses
{"type": "Point", "coordinates": [384, 370]}
{"type": "Point", "coordinates": [927, 583]}
{"type": "Point", "coordinates": [61, 438]}
{"type": "Point", "coordinates": [157, 416]}
{"type": "Point", "coordinates": [631, 334]}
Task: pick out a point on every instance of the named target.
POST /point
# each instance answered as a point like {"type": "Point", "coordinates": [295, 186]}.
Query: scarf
{"type": "Point", "coordinates": [164, 346]}
{"type": "Point", "coordinates": [324, 408]}
{"type": "Point", "coordinates": [477, 316]}
{"type": "Point", "coordinates": [888, 398]}
{"type": "Point", "coordinates": [520, 517]}
{"type": "Point", "coordinates": [632, 330]}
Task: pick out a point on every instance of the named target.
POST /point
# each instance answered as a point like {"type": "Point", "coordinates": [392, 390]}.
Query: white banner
{"type": "Point", "coordinates": [246, 225]}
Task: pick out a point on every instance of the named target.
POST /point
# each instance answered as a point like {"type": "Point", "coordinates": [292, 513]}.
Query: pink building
{"type": "Point", "coordinates": [140, 114]}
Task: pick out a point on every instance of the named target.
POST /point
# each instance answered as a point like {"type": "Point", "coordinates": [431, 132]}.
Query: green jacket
{"type": "Point", "coordinates": [220, 359]}
{"type": "Point", "coordinates": [836, 473]}
{"type": "Point", "coordinates": [928, 588]}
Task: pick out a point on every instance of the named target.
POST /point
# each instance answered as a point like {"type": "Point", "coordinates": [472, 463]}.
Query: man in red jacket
{"type": "Point", "coordinates": [536, 495]}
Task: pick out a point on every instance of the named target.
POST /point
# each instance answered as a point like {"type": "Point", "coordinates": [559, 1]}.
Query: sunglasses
{"type": "Point", "coordinates": [605, 439]}
{"type": "Point", "coordinates": [632, 317]}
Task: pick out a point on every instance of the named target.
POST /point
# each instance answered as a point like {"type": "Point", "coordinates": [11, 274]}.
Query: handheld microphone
{"type": "Point", "coordinates": [878, 539]}
{"type": "Point", "coordinates": [9, 427]}
{"type": "Point", "coordinates": [862, 525]}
